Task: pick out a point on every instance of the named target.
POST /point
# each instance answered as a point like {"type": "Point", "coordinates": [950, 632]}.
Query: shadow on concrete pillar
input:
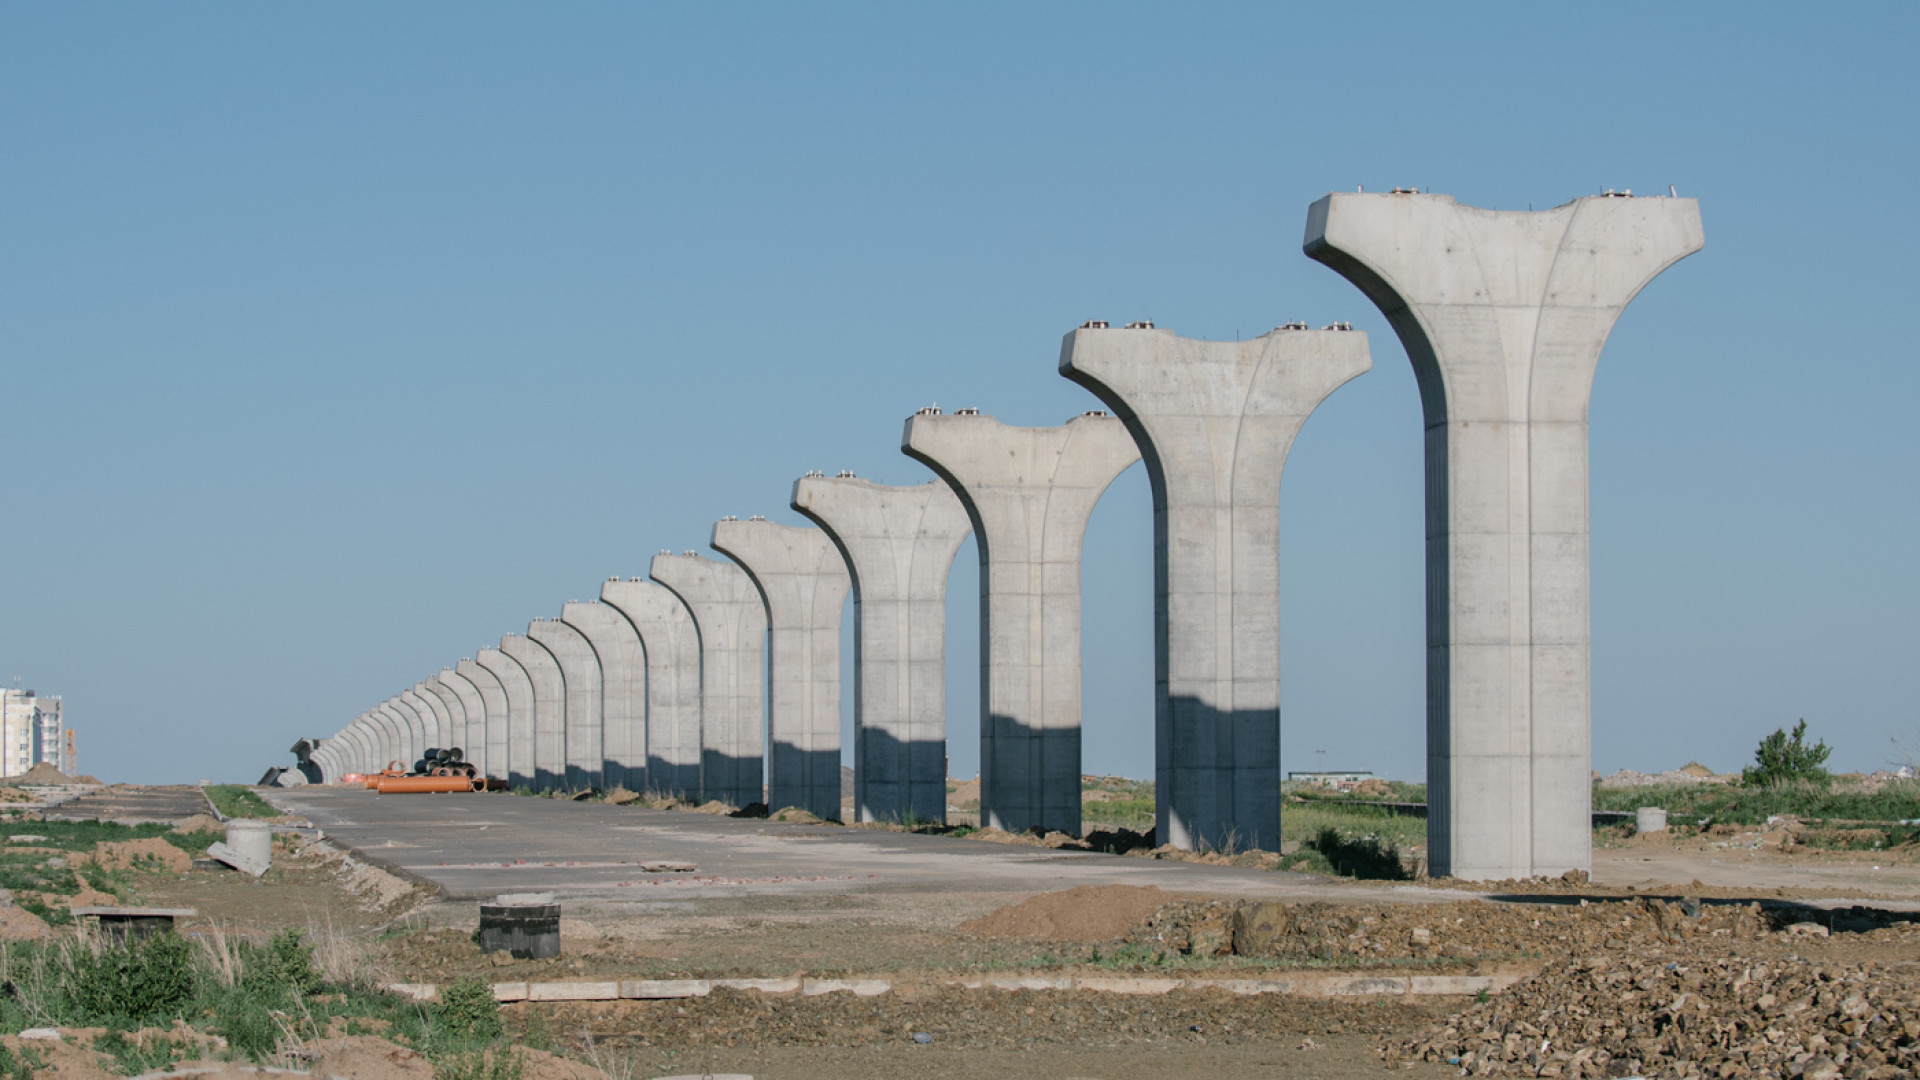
{"type": "Point", "coordinates": [512, 753]}
{"type": "Point", "coordinates": [549, 742]}
{"type": "Point", "coordinates": [1029, 493]}
{"type": "Point", "coordinates": [732, 623]}
{"type": "Point", "coordinates": [1504, 315]}
{"type": "Point", "coordinates": [623, 691]}
{"type": "Point", "coordinates": [580, 682]}
{"type": "Point", "coordinates": [1214, 421]}
{"type": "Point", "coordinates": [899, 544]}
{"type": "Point", "coordinates": [488, 749]}
{"type": "Point", "coordinates": [803, 581]}
{"type": "Point", "coordinates": [672, 647]}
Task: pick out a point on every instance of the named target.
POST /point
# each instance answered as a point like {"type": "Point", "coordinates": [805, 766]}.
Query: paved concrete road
{"type": "Point", "coordinates": [476, 846]}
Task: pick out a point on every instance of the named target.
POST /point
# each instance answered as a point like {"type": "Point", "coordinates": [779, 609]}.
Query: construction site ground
{"type": "Point", "coordinates": [403, 875]}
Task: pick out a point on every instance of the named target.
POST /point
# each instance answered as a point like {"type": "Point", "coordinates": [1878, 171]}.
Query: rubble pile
{"type": "Point", "coordinates": [1721, 1017]}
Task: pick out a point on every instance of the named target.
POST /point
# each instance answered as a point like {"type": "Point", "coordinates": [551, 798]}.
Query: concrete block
{"type": "Point", "coordinates": [663, 989]}
{"type": "Point", "coordinates": [573, 991]}
{"type": "Point", "coordinates": [510, 991]}
{"type": "Point", "coordinates": [787, 985]}
{"type": "Point", "coordinates": [1028, 493]}
{"type": "Point", "coordinates": [732, 623]}
{"type": "Point", "coordinates": [1214, 421]}
{"type": "Point", "coordinates": [414, 991]}
{"type": "Point", "coordinates": [581, 750]}
{"type": "Point", "coordinates": [804, 581]}
{"type": "Point", "coordinates": [672, 648]}
{"type": "Point", "coordinates": [899, 544]}
{"type": "Point", "coordinates": [857, 987]}
{"type": "Point", "coordinates": [239, 860]}
{"type": "Point", "coordinates": [544, 742]}
{"type": "Point", "coordinates": [1504, 315]}
{"type": "Point", "coordinates": [1145, 987]}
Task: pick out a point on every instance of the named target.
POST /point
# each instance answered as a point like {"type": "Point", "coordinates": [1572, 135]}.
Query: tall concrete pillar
{"type": "Point", "coordinates": [1504, 315]}
{"type": "Point", "coordinates": [732, 623]}
{"type": "Point", "coordinates": [393, 736]}
{"type": "Point", "coordinates": [416, 727]}
{"type": "Point", "coordinates": [488, 752]}
{"type": "Point", "coordinates": [548, 744]}
{"type": "Point", "coordinates": [623, 690]}
{"type": "Point", "coordinates": [581, 683]}
{"type": "Point", "coordinates": [899, 544]}
{"type": "Point", "coordinates": [472, 709]}
{"type": "Point", "coordinates": [1214, 421]}
{"type": "Point", "coordinates": [672, 647]}
{"type": "Point", "coordinates": [439, 721]}
{"type": "Point", "coordinates": [412, 734]}
{"type": "Point", "coordinates": [803, 581]}
{"type": "Point", "coordinates": [373, 742]}
{"type": "Point", "coordinates": [1029, 493]}
{"type": "Point", "coordinates": [510, 750]}
{"type": "Point", "coordinates": [455, 733]}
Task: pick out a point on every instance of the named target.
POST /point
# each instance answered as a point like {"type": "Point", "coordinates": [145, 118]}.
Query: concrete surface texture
{"type": "Point", "coordinates": [1029, 493]}
{"type": "Point", "coordinates": [673, 681]}
{"type": "Point", "coordinates": [400, 736]}
{"type": "Point", "coordinates": [1214, 421]}
{"type": "Point", "coordinates": [623, 691]}
{"type": "Point", "coordinates": [473, 707]}
{"type": "Point", "coordinates": [732, 623]}
{"type": "Point", "coordinates": [371, 741]}
{"type": "Point", "coordinates": [439, 722]}
{"type": "Point", "coordinates": [899, 544]}
{"type": "Point", "coordinates": [493, 700]}
{"type": "Point", "coordinates": [580, 677]}
{"type": "Point", "coordinates": [456, 733]}
{"type": "Point", "coordinates": [804, 582]}
{"type": "Point", "coordinates": [355, 738]}
{"type": "Point", "coordinates": [1504, 315]}
{"type": "Point", "coordinates": [548, 742]}
{"type": "Point", "coordinates": [510, 746]}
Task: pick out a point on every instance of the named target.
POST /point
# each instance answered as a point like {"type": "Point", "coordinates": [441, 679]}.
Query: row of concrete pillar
{"type": "Point", "coordinates": [657, 686]}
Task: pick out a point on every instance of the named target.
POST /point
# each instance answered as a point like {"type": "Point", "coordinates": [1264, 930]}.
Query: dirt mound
{"type": "Point", "coordinates": [198, 823]}
{"type": "Point", "coordinates": [19, 924]}
{"type": "Point", "coordinates": [964, 793]}
{"type": "Point", "coordinates": [60, 1059]}
{"type": "Point", "coordinates": [715, 807]}
{"type": "Point", "coordinates": [45, 775]}
{"type": "Point", "coordinates": [365, 1057]}
{"type": "Point", "coordinates": [796, 815]}
{"type": "Point", "coordinates": [1088, 913]}
{"type": "Point", "coordinates": [152, 852]}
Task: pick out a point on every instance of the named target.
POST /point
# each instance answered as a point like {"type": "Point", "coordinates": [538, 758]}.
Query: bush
{"type": "Point", "coordinates": [1364, 857]}
{"type": "Point", "coordinates": [283, 966]}
{"type": "Point", "coordinates": [467, 1009]}
{"type": "Point", "coordinates": [1787, 759]}
{"type": "Point", "coordinates": [131, 981]}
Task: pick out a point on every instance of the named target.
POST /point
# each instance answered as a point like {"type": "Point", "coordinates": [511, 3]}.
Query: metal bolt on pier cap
{"type": "Point", "coordinates": [1094, 324]}
{"type": "Point", "coordinates": [845, 473]}
{"type": "Point", "coordinates": [1295, 325]}
{"type": "Point", "coordinates": [931, 410]}
{"type": "Point", "coordinates": [1141, 324]}
{"type": "Point", "coordinates": [966, 412]}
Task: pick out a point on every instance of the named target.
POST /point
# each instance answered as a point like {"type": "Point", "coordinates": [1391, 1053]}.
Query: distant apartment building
{"type": "Point", "coordinates": [32, 730]}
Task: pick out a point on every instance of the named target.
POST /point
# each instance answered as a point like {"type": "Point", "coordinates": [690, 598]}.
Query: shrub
{"type": "Point", "coordinates": [284, 964]}
{"type": "Point", "coordinates": [1786, 759]}
{"type": "Point", "coordinates": [467, 1009]}
{"type": "Point", "coordinates": [500, 1065]}
{"type": "Point", "coordinates": [132, 980]}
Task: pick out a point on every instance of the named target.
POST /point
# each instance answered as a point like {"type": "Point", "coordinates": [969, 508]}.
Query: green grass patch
{"type": "Point", "coordinates": [1742, 804]}
{"type": "Point", "coordinates": [236, 800]}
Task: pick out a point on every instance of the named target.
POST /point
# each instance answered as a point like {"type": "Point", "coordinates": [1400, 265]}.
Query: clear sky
{"type": "Point", "coordinates": [341, 339]}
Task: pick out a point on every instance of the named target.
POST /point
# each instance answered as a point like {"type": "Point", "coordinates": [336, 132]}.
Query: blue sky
{"type": "Point", "coordinates": [339, 340]}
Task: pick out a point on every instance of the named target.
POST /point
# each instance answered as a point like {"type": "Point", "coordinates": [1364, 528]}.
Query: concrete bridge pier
{"type": "Point", "coordinates": [510, 748]}
{"type": "Point", "coordinates": [623, 690]}
{"type": "Point", "coordinates": [732, 622]}
{"type": "Point", "coordinates": [672, 647]}
{"type": "Point", "coordinates": [582, 758]}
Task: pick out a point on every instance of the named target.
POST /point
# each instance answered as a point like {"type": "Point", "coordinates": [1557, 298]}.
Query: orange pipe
{"type": "Point", "coordinates": [402, 785]}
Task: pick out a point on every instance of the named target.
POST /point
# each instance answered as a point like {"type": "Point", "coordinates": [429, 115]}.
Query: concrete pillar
{"type": "Point", "coordinates": [416, 728]}
{"type": "Point", "coordinates": [393, 736]}
{"type": "Point", "coordinates": [1214, 421]}
{"type": "Point", "coordinates": [580, 681]}
{"type": "Point", "coordinates": [1503, 315]}
{"type": "Point", "coordinates": [488, 752]}
{"type": "Point", "coordinates": [803, 581]}
{"type": "Point", "coordinates": [672, 647]}
{"type": "Point", "coordinates": [548, 741]}
{"type": "Point", "coordinates": [1029, 493]}
{"type": "Point", "coordinates": [455, 733]}
{"type": "Point", "coordinates": [372, 741]}
{"type": "Point", "coordinates": [623, 690]}
{"type": "Point", "coordinates": [473, 708]}
{"type": "Point", "coordinates": [510, 749]}
{"type": "Point", "coordinates": [732, 624]}
{"type": "Point", "coordinates": [410, 733]}
{"type": "Point", "coordinates": [899, 544]}
{"type": "Point", "coordinates": [439, 721]}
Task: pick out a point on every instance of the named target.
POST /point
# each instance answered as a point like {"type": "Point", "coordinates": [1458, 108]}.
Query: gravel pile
{"type": "Point", "coordinates": [1702, 1017]}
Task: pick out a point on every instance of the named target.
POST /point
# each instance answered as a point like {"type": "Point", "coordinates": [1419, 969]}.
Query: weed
{"type": "Point", "coordinates": [467, 1008]}
{"type": "Point", "coordinates": [128, 981]}
{"type": "Point", "coordinates": [481, 1065]}
{"type": "Point", "coordinates": [14, 1068]}
{"type": "Point", "coordinates": [235, 800]}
